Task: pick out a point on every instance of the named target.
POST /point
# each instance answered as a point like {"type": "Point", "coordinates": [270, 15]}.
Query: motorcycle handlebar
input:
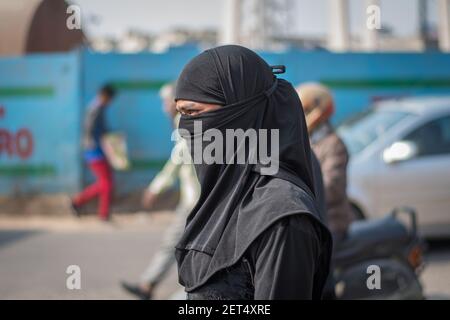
{"type": "Point", "coordinates": [411, 213]}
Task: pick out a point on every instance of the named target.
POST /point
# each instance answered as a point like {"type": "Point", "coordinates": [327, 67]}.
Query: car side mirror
{"type": "Point", "coordinates": [400, 151]}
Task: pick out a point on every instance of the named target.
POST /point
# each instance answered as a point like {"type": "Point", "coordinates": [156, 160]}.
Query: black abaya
{"type": "Point", "coordinates": [241, 205]}
{"type": "Point", "coordinates": [273, 267]}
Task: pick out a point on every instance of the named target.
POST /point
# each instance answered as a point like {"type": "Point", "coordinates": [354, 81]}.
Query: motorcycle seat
{"type": "Point", "coordinates": [366, 236]}
{"type": "Point", "coordinates": [382, 229]}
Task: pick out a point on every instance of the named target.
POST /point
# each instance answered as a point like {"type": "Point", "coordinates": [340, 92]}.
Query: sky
{"type": "Point", "coordinates": [308, 17]}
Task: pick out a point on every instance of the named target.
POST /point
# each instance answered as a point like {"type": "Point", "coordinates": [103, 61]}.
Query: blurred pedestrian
{"type": "Point", "coordinates": [189, 192]}
{"type": "Point", "coordinates": [331, 152]}
{"type": "Point", "coordinates": [94, 130]}
{"type": "Point", "coordinates": [253, 234]}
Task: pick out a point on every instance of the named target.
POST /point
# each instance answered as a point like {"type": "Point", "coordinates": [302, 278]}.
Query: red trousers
{"type": "Point", "coordinates": [102, 188]}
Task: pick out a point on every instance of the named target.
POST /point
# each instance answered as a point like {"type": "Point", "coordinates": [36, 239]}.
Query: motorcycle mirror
{"type": "Point", "coordinates": [400, 151]}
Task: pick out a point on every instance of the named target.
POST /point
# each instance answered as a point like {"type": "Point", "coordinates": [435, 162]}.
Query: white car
{"type": "Point", "coordinates": [400, 156]}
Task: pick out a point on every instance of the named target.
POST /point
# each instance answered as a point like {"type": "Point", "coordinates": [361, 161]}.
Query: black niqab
{"type": "Point", "coordinates": [238, 202]}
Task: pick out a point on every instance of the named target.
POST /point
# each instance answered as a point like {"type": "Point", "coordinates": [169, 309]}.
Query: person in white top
{"type": "Point", "coordinates": [172, 172]}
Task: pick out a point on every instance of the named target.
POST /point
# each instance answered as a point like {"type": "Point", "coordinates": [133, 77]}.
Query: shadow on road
{"type": "Point", "coordinates": [10, 236]}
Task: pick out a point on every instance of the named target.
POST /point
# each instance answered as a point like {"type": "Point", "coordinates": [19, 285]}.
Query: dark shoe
{"type": "Point", "coordinates": [136, 291]}
{"type": "Point", "coordinates": [75, 209]}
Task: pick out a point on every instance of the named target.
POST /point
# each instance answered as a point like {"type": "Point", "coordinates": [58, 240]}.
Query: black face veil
{"type": "Point", "coordinates": [239, 201]}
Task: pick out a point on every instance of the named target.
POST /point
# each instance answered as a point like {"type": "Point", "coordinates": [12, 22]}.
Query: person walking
{"type": "Point", "coordinates": [172, 172]}
{"type": "Point", "coordinates": [93, 131]}
{"type": "Point", "coordinates": [332, 154]}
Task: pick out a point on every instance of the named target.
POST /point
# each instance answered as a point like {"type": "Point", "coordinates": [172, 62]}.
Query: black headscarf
{"type": "Point", "coordinates": [239, 201]}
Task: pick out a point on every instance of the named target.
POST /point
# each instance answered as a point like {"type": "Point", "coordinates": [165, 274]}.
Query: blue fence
{"type": "Point", "coordinates": [42, 100]}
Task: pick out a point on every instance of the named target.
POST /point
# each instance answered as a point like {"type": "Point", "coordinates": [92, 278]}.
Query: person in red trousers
{"type": "Point", "coordinates": [94, 129]}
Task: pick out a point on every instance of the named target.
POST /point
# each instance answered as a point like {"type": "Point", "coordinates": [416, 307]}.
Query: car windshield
{"type": "Point", "coordinates": [366, 127]}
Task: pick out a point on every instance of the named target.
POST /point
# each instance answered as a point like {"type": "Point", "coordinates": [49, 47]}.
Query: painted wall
{"type": "Point", "coordinates": [39, 116]}
{"type": "Point", "coordinates": [47, 96]}
{"type": "Point", "coordinates": [357, 79]}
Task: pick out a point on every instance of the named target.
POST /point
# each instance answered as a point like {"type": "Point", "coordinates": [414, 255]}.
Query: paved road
{"type": "Point", "coordinates": [34, 258]}
{"type": "Point", "coordinates": [436, 276]}
{"type": "Point", "coordinates": [33, 261]}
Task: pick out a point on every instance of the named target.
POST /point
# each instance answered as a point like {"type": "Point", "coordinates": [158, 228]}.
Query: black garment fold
{"type": "Point", "coordinates": [272, 264]}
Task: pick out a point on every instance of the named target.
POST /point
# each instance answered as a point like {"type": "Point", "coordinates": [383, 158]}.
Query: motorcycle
{"type": "Point", "coordinates": [380, 259]}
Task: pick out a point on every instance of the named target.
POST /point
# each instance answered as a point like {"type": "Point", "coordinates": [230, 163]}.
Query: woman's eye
{"type": "Point", "coordinates": [190, 112]}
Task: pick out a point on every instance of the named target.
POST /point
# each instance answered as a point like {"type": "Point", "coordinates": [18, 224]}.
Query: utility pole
{"type": "Point", "coordinates": [444, 25]}
{"type": "Point", "coordinates": [339, 36]}
{"type": "Point", "coordinates": [231, 28]}
{"type": "Point", "coordinates": [370, 34]}
{"type": "Point", "coordinates": [255, 23]}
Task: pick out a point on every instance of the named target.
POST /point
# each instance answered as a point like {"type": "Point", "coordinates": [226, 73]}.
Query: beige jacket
{"type": "Point", "coordinates": [185, 172]}
{"type": "Point", "coordinates": [178, 170]}
{"type": "Point", "coordinates": [333, 157]}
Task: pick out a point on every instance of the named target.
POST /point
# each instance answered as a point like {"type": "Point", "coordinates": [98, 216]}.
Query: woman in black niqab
{"type": "Point", "coordinates": [254, 233]}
